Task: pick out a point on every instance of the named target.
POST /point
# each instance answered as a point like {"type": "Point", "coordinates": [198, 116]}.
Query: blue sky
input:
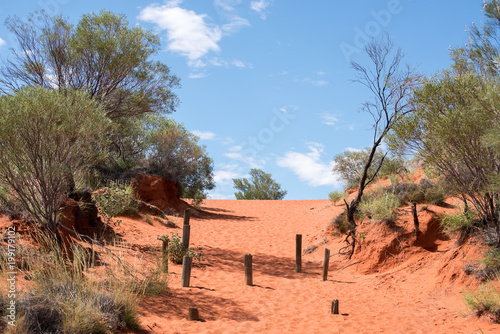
{"type": "Point", "coordinates": [267, 83]}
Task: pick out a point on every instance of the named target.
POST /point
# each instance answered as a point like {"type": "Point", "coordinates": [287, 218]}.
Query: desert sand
{"type": "Point", "coordinates": [393, 284]}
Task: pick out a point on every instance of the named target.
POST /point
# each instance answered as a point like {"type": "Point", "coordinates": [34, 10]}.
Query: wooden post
{"type": "Point", "coordinates": [186, 271]}
{"type": "Point", "coordinates": [187, 215]}
{"type": "Point", "coordinates": [164, 256]}
{"type": "Point", "coordinates": [325, 264]}
{"type": "Point", "coordinates": [415, 219]}
{"type": "Point", "coordinates": [248, 270]}
{"type": "Point", "coordinates": [335, 306]}
{"type": "Point", "coordinates": [193, 314]}
{"type": "Point", "coordinates": [298, 253]}
{"type": "Point", "coordinates": [186, 229]}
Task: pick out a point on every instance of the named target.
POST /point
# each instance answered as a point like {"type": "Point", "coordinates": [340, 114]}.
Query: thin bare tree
{"type": "Point", "coordinates": [391, 82]}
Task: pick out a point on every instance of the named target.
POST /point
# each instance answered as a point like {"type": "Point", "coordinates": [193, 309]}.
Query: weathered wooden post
{"type": "Point", "coordinates": [193, 314]}
{"type": "Point", "coordinates": [415, 219]}
{"type": "Point", "coordinates": [248, 270]}
{"type": "Point", "coordinates": [325, 264]}
{"type": "Point", "coordinates": [186, 271]}
{"type": "Point", "coordinates": [335, 306]}
{"type": "Point", "coordinates": [164, 255]}
{"type": "Point", "coordinates": [186, 229]}
{"type": "Point", "coordinates": [298, 253]}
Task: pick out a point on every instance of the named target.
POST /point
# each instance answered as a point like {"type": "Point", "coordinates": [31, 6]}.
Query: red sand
{"type": "Point", "coordinates": [405, 288]}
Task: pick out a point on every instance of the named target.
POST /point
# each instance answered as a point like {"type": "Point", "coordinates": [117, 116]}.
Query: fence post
{"type": "Point", "coordinates": [186, 271]}
{"type": "Point", "coordinates": [186, 229]}
{"type": "Point", "coordinates": [248, 270]}
{"type": "Point", "coordinates": [193, 314]}
{"type": "Point", "coordinates": [164, 256]}
{"type": "Point", "coordinates": [415, 220]}
{"type": "Point", "coordinates": [298, 253]}
{"type": "Point", "coordinates": [335, 306]}
{"type": "Point", "coordinates": [325, 264]}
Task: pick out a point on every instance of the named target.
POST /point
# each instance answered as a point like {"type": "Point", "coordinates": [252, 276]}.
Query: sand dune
{"type": "Point", "coordinates": [416, 289]}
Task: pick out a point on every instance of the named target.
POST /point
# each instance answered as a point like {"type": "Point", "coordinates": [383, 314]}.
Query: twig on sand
{"type": "Point", "coordinates": [348, 265]}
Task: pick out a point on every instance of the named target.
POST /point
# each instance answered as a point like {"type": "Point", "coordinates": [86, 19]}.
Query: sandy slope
{"type": "Point", "coordinates": [416, 290]}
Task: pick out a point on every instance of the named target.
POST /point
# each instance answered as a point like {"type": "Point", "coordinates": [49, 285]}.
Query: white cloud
{"type": "Point", "coordinates": [223, 178]}
{"type": "Point", "coordinates": [352, 149]}
{"type": "Point", "coordinates": [260, 6]}
{"type": "Point", "coordinates": [328, 119]}
{"type": "Point", "coordinates": [319, 83]}
{"type": "Point", "coordinates": [235, 25]}
{"type": "Point", "coordinates": [197, 75]}
{"type": "Point", "coordinates": [282, 73]}
{"type": "Point", "coordinates": [187, 32]}
{"type": "Point", "coordinates": [225, 175]}
{"type": "Point", "coordinates": [309, 167]}
{"type": "Point", "coordinates": [204, 135]}
{"type": "Point", "coordinates": [238, 153]}
{"type": "Point", "coordinates": [224, 63]}
{"type": "Point", "coordinates": [191, 35]}
{"type": "Point", "coordinates": [2, 42]}
{"type": "Point", "coordinates": [228, 10]}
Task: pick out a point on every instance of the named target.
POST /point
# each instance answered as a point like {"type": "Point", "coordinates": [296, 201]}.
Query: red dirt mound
{"type": "Point", "coordinates": [387, 245]}
{"type": "Point", "coordinates": [158, 192]}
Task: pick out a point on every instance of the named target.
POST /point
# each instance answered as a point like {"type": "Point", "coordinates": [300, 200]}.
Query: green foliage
{"type": "Point", "coordinates": [489, 266]}
{"type": "Point", "coordinates": [336, 195]}
{"type": "Point", "coordinates": [485, 300]}
{"type": "Point", "coordinates": [350, 165]}
{"type": "Point", "coordinates": [175, 251]}
{"type": "Point", "coordinates": [106, 58]}
{"type": "Point", "coordinates": [455, 128]}
{"type": "Point", "coordinates": [457, 222]}
{"type": "Point", "coordinates": [339, 223]}
{"type": "Point", "coordinates": [260, 186]}
{"type": "Point", "coordinates": [380, 205]}
{"type": "Point", "coordinates": [117, 199]}
{"type": "Point", "coordinates": [425, 192]}
{"type": "Point", "coordinates": [102, 55]}
{"type": "Point", "coordinates": [46, 137]}
{"type": "Point", "coordinates": [454, 112]}
{"type": "Point", "coordinates": [174, 153]}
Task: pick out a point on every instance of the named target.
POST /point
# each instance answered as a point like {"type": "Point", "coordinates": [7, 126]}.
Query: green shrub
{"type": "Point", "coordinates": [336, 195]}
{"type": "Point", "coordinates": [379, 206]}
{"type": "Point", "coordinates": [489, 266]}
{"type": "Point", "coordinates": [485, 300]}
{"type": "Point", "coordinates": [117, 199]}
{"type": "Point", "coordinates": [425, 192]}
{"type": "Point", "coordinates": [457, 222]}
{"type": "Point", "coordinates": [175, 250]}
{"type": "Point", "coordinates": [340, 224]}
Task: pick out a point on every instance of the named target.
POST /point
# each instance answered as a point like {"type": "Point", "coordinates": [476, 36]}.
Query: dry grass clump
{"type": "Point", "coordinates": [76, 297]}
{"type": "Point", "coordinates": [485, 300]}
{"type": "Point", "coordinates": [339, 224]}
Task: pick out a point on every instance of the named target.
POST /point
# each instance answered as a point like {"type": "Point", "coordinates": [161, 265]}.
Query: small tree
{"type": "Point", "coordinates": [174, 153]}
{"type": "Point", "coordinates": [44, 136]}
{"type": "Point", "coordinates": [103, 56]}
{"type": "Point", "coordinates": [454, 112]}
{"type": "Point", "coordinates": [391, 86]}
{"type": "Point", "coordinates": [260, 186]}
{"type": "Point", "coordinates": [350, 165]}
